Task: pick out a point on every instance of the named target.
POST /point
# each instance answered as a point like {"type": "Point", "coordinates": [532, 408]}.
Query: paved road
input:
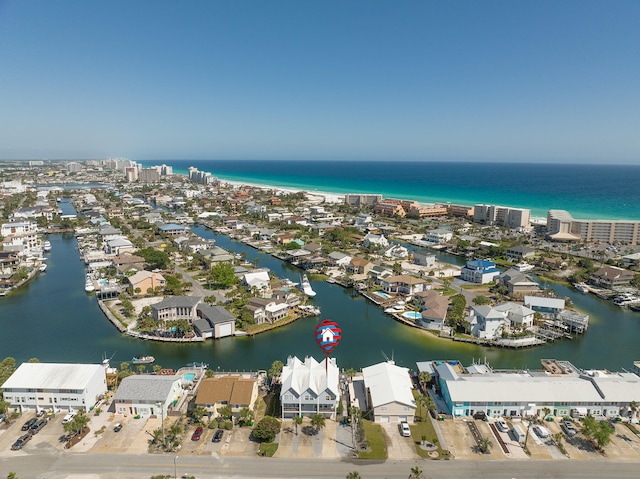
{"type": "Point", "coordinates": [49, 464]}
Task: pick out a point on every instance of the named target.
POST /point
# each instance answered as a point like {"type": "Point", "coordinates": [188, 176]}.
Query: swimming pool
{"type": "Point", "coordinates": [412, 315]}
{"type": "Point", "coordinates": [189, 377]}
{"type": "Point", "coordinates": [382, 295]}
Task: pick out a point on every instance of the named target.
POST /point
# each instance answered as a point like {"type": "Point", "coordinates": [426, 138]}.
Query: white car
{"type": "Point", "coordinates": [502, 426]}
{"type": "Point", "coordinates": [69, 417]}
{"type": "Point", "coordinates": [404, 429]}
{"type": "Point", "coordinates": [541, 431]}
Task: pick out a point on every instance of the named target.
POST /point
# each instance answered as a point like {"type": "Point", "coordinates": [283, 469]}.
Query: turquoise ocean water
{"type": "Point", "coordinates": [586, 191]}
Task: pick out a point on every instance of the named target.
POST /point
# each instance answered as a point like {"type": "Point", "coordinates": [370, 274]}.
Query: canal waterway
{"type": "Point", "coordinates": [53, 319]}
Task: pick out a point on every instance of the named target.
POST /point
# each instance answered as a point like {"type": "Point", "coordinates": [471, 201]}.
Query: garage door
{"type": "Point", "coordinates": [226, 330]}
{"type": "Point", "coordinates": [402, 418]}
{"type": "Point", "coordinates": [383, 419]}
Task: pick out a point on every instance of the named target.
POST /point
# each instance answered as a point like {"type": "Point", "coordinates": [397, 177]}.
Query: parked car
{"type": "Point", "coordinates": [69, 417]}
{"type": "Point", "coordinates": [2, 416]}
{"type": "Point", "coordinates": [405, 430]}
{"type": "Point", "coordinates": [117, 427]}
{"type": "Point", "coordinates": [480, 415]}
{"type": "Point", "coordinates": [541, 431]}
{"type": "Point", "coordinates": [197, 434]}
{"type": "Point", "coordinates": [569, 428]}
{"type": "Point", "coordinates": [41, 413]}
{"type": "Point", "coordinates": [22, 440]}
{"type": "Point", "coordinates": [502, 426]}
{"type": "Point", "coordinates": [217, 436]}
{"type": "Point", "coordinates": [39, 424]}
{"type": "Point", "coordinates": [27, 425]}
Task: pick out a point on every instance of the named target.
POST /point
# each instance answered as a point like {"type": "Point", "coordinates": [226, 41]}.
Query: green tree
{"type": "Point", "coordinates": [297, 421]}
{"type": "Point", "coordinates": [154, 258]}
{"type": "Point", "coordinates": [484, 444]}
{"type": "Point", "coordinates": [318, 421]}
{"type": "Point", "coordinates": [275, 369]}
{"type": "Point", "coordinates": [78, 423]}
{"type": "Point", "coordinates": [480, 300]}
{"type": "Point", "coordinates": [266, 429]}
{"type": "Point", "coordinates": [354, 475]}
{"type": "Point", "coordinates": [424, 378]}
{"type": "Point", "coordinates": [225, 412]}
{"type": "Point", "coordinates": [223, 276]}
{"type": "Point", "coordinates": [245, 416]}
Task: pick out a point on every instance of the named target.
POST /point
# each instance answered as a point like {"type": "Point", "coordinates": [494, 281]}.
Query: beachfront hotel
{"type": "Point", "coordinates": [561, 226]}
{"type": "Point", "coordinates": [501, 216]}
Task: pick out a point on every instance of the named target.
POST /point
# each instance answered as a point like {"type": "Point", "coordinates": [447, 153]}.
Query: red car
{"type": "Point", "coordinates": [196, 434]}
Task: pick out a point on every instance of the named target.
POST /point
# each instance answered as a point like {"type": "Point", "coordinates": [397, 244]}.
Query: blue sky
{"type": "Point", "coordinates": [434, 80]}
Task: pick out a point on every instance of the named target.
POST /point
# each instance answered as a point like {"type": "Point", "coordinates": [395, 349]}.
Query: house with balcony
{"type": "Point", "coordinates": [267, 310]}
{"type": "Point", "coordinates": [517, 283]}
{"type": "Point", "coordinates": [479, 271]}
{"type": "Point", "coordinates": [439, 236]}
{"type": "Point", "coordinates": [520, 253]}
{"type": "Point", "coordinates": [143, 281]}
{"type": "Point", "coordinates": [611, 277]}
{"type": "Point", "coordinates": [147, 395]}
{"type": "Point", "coordinates": [433, 307]}
{"type": "Point", "coordinates": [309, 387]}
{"type": "Point", "coordinates": [404, 284]}
{"type": "Point", "coordinates": [486, 322]}
{"type": "Point", "coordinates": [359, 266]}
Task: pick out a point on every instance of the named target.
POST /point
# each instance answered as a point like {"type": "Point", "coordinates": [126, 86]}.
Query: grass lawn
{"type": "Point", "coordinates": [375, 437]}
{"type": "Point", "coordinates": [424, 427]}
{"type": "Point", "coordinates": [268, 448]}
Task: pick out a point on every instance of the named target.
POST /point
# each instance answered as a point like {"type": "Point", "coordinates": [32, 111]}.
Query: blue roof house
{"type": "Point", "coordinates": [480, 271]}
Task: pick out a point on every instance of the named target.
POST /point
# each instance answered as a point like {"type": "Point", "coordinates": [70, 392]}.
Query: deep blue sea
{"type": "Point", "coordinates": [586, 191]}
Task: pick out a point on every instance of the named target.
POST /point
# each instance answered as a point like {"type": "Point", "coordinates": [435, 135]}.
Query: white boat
{"type": "Point", "coordinates": [305, 286]}
{"type": "Point", "coordinates": [142, 360]}
{"type": "Point", "coordinates": [625, 299]}
{"type": "Point", "coordinates": [42, 267]}
{"type": "Point", "coordinates": [523, 267]}
{"type": "Point", "coordinates": [88, 284]}
{"type": "Point", "coordinates": [583, 288]}
{"type": "Point", "coordinates": [46, 246]}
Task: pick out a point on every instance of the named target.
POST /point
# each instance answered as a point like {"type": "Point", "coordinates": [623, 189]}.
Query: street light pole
{"type": "Point", "coordinates": [162, 419]}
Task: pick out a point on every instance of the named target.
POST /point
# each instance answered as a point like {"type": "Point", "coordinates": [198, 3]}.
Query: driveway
{"type": "Point", "coordinates": [398, 447]}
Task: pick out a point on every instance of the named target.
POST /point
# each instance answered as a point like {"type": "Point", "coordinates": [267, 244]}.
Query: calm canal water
{"type": "Point", "coordinates": [54, 320]}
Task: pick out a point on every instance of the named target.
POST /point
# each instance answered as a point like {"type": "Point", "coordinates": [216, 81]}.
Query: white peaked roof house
{"type": "Point", "coordinates": [389, 392]}
{"type": "Point", "coordinates": [309, 387]}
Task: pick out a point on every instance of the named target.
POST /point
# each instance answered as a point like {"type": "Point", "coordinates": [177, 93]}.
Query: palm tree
{"type": "Point", "coordinates": [416, 473]}
{"type": "Point", "coordinates": [297, 421]}
{"type": "Point", "coordinates": [484, 444]}
{"type": "Point", "coordinates": [634, 408]}
{"type": "Point", "coordinates": [423, 378]}
{"type": "Point", "coordinates": [354, 475]}
{"type": "Point", "coordinates": [421, 400]}
{"type": "Point", "coordinates": [318, 421]}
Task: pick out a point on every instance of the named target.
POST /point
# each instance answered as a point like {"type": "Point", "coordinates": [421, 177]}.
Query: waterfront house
{"type": "Point", "coordinates": [611, 277]}
{"type": "Point", "coordinates": [309, 387]}
{"type": "Point", "coordinates": [147, 395]}
{"type": "Point", "coordinates": [439, 236]}
{"type": "Point", "coordinates": [404, 284]}
{"type": "Point", "coordinates": [434, 308]}
{"type": "Point", "coordinates": [268, 310]}
{"type": "Point", "coordinates": [486, 322]}
{"type": "Point", "coordinates": [424, 258]}
{"type": "Point", "coordinates": [172, 229]}
{"type": "Point", "coordinates": [235, 391]}
{"type": "Point", "coordinates": [562, 388]}
{"type": "Point", "coordinates": [479, 271]}
{"type": "Point", "coordinates": [9, 261]}
{"type": "Point", "coordinates": [397, 251]}
{"type": "Point", "coordinates": [118, 245]}
{"type": "Point", "coordinates": [375, 241]}
{"type": "Point", "coordinates": [55, 386]}
{"type": "Point", "coordinates": [215, 254]}
{"type": "Point", "coordinates": [520, 253]}
{"type": "Point", "coordinates": [128, 261]}
{"type": "Point", "coordinates": [359, 266]}
{"type": "Point", "coordinates": [338, 259]}
{"type": "Point", "coordinates": [517, 283]}
{"type": "Point", "coordinates": [519, 316]}
{"type": "Point", "coordinates": [145, 281]}
{"type": "Point", "coordinates": [213, 322]}
{"type": "Point", "coordinates": [258, 279]}
{"type": "Point", "coordinates": [380, 272]}
{"type": "Point", "coordinates": [108, 232]}
{"type": "Point", "coordinates": [547, 307]}
{"type": "Point", "coordinates": [176, 307]}
{"type": "Point", "coordinates": [389, 393]}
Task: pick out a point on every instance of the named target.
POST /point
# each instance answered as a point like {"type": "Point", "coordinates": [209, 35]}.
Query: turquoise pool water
{"type": "Point", "coordinates": [189, 377]}
{"type": "Point", "coordinates": [382, 295]}
{"type": "Point", "coordinates": [412, 315]}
